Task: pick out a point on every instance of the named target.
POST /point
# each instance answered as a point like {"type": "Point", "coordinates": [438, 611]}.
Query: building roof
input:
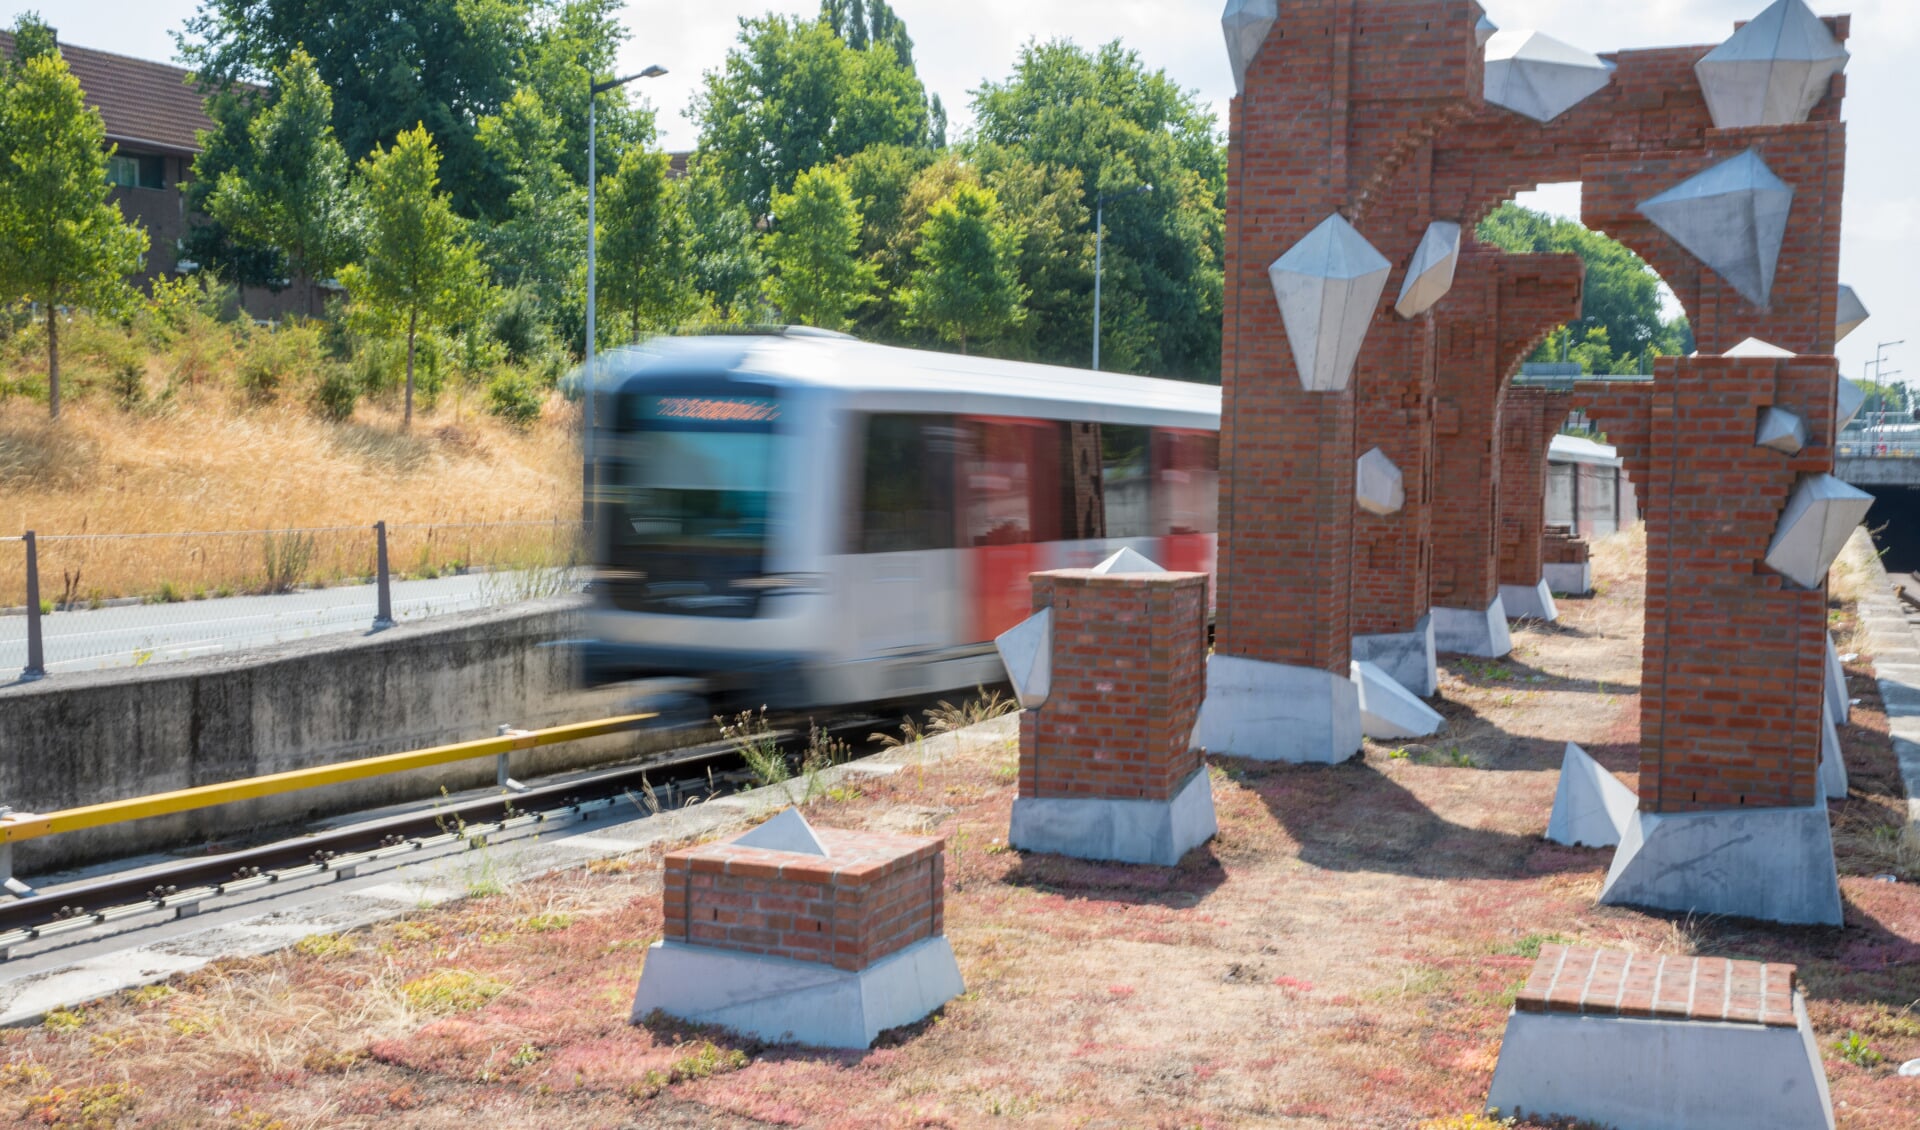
{"type": "Point", "coordinates": [149, 107]}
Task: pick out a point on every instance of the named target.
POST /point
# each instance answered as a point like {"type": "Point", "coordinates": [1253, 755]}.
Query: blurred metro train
{"type": "Point", "coordinates": [801, 519]}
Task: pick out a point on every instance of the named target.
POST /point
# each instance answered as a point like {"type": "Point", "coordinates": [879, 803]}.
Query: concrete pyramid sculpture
{"type": "Point", "coordinates": [788, 831]}
{"type": "Point", "coordinates": [1733, 218]}
{"type": "Point", "coordinates": [1484, 30]}
{"type": "Point", "coordinates": [1852, 398]}
{"type": "Point", "coordinates": [1430, 275]}
{"type": "Point", "coordinates": [1833, 766]}
{"type": "Point", "coordinates": [1027, 650]}
{"type": "Point", "coordinates": [1389, 710]}
{"type": "Point", "coordinates": [1849, 312]}
{"type": "Point", "coordinates": [1246, 23]}
{"type": "Point", "coordinates": [1814, 528]}
{"type": "Point", "coordinates": [1774, 70]}
{"type": "Point", "coordinates": [1539, 77]}
{"type": "Point", "coordinates": [1127, 561]}
{"type": "Point", "coordinates": [1378, 486]}
{"type": "Point", "coordinates": [1781, 429]}
{"type": "Point", "coordinates": [1754, 347]}
{"type": "Point", "coordinates": [1591, 807]}
{"type": "Point", "coordinates": [1327, 286]}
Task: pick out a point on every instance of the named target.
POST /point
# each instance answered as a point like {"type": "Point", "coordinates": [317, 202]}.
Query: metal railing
{"type": "Point", "coordinates": [1873, 447]}
{"type": "Point", "coordinates": [78, 601]}
{"type": "Point", "coordinates": [16, 827]}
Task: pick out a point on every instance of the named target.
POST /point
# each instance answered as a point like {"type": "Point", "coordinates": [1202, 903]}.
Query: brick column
{"type": "Point", "coordinates": [872, 894]}
{"type": "Point", "coordinates": [1734, 662]}
{"type": "Point", "coordinates": [1501, 307]}
{"type": "Point", "coordinates": [1107, 766]}
{"type": "Point", "coordinates": [1530, 418]}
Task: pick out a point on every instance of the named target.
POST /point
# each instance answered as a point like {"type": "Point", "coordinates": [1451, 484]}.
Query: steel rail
{"type": "Point", "coordinates": [19, 826]}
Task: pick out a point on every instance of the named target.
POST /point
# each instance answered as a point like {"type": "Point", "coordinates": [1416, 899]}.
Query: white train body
{"type": "Point", "coordinates": [808, 520]}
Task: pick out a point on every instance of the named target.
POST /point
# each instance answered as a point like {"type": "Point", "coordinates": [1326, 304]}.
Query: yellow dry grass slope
{"type": "Point", "coordinates": [206, 464]}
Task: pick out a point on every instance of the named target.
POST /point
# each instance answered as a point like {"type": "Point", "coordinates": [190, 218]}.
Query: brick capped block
{"type": "Point", "coordinates": [1642, 1040]}
{"type": "Point", "coordinates": [1107, 767]}
{"type": "Point", "coordinates": [824, 948]}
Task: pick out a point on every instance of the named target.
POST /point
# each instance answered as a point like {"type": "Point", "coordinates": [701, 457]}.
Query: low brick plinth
{"type": "Point", "coordinates": [1129, 674]}
{"type": "Point", "coordinates": [1558, 546]}
{"type": "Point", "coordinates": [1600, 982]}
{"type": "Point", "coordinates": [871, 895]}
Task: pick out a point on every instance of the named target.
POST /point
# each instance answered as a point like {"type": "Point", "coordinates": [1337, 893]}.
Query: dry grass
{"type": "Point", "coordinates": [208, 464]}
{"type": "Point", "coordinates": [1343, 954]}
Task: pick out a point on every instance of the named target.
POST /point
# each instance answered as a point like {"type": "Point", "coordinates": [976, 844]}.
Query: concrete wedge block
{"type": "Point", "coordinates": [1591, 807]}
{"type": "Point", "coordinates": [1389, 710]}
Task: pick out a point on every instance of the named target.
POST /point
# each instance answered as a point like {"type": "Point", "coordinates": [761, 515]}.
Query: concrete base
{"type": "Point", "coordinates": [1408, 658]}
{"type": "Point", "coordinates": [1389, 710]}
{"type": "Point", "coordinates": [1568, 579]}
{"type": "Point", "coordinates": [1837, 695]}
{"type": "Point", "coordinates": [1273, 712]}
{"type": "Point", "coordinates": [1774, 864]}
{"type": "Point", "coordinates": [1123, 831]}
{"type": "Point", "coordinates": [1833, 766]}
{"type": "Point", "coordinates": [1659, 1074]}
{"type": "Point", "coordinates": [1481, 632]}
{"type": "Point", "coordinates": [782, 1000]}
{"type": "Point", "coordinates": [1529, 602]}
{"type": "Point", "coordinates": [1591, 808]}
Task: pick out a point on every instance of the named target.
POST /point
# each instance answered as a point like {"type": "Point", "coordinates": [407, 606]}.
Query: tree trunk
{"type": "Point", "coordinates": [413, 324]}
{"type": "Point", "coordinates": [53, 364]}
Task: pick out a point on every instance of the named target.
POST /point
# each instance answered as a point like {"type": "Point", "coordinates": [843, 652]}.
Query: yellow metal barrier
{"type": "Point", "coordinates": [31, 825]}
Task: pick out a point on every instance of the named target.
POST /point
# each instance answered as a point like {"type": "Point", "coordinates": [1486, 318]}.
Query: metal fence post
{"type": "Point", "coordinates": [383, 581]}
{"type": "Point", "coordinates": [36, 667]}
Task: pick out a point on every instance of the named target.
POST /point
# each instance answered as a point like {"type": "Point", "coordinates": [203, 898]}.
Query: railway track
{"type": "Point", "coordinates": [128, 901]}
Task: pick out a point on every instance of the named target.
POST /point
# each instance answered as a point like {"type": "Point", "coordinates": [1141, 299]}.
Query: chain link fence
{"type": "Point", "coordinates": [74, 602]}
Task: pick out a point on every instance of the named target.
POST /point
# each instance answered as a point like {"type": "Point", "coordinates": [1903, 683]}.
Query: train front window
{"type": "Point", "coordinates": [692, 491]}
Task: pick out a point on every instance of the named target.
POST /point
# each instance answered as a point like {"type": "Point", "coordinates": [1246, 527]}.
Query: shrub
{"type": "Point", "coordinates": [335, 394]}
{"type": "Point", "coordinates": [514, 397]}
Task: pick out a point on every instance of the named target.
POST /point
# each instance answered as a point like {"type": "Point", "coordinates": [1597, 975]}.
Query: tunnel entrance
{"type": "Point", "coordinates": [1894, 522]}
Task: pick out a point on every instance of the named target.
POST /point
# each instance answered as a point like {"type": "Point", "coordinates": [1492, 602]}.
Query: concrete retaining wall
{"type": "Point", "coordinates": [106, 735]}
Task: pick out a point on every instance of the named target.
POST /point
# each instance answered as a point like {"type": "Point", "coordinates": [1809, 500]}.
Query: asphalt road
{"type": "Point", "coordinates": [150, 633]}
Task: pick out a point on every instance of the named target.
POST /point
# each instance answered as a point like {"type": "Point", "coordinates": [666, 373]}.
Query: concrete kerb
{"type": "Point", "coordinates": [1894, 649]}
{"type": "Point", "coordinates": [29, 990]}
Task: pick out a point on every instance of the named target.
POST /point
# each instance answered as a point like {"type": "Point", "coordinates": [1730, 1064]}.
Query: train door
{"type": "Point", "coordinates": [1186, 498]}
{"type": "Point", "coordinates": [903, 592]}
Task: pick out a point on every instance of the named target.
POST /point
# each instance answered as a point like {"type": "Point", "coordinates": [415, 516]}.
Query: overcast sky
{"type": "Point", "coordinates": [959, 44]}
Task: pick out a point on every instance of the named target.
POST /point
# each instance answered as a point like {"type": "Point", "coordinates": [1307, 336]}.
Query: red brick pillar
{"type": "Point", "coordinates": [1731, 678]}
{"type": "Point", "coordinates": [1531, 417]}
{"type": "Point", "coordinates": [1501, 307]}
{"type": "Point", "coordinates": [1107, 766]}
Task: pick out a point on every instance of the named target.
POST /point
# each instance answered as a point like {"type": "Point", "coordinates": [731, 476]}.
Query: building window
{"type": "Point", "coordinates": [137, 170]}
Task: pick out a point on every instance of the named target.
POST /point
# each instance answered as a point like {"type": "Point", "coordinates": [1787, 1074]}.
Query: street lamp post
{"type": "Point", "coordinates": [589, 374]}
{"type": "Point", "coordinates": [1099, 231]}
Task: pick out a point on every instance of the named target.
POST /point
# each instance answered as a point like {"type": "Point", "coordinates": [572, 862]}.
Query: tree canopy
{"type": "Point", "coordinates": [1622, 329]}
{"type": "Point", "coordinates": [818, 277]}
{"type": "Point", "coordinates": [966, 285]}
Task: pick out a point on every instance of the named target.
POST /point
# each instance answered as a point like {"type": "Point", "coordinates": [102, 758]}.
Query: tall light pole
{"type": "Point", "coordinates": [1099, 230]}
{"type": "Point", "coordinates": [589, 374]}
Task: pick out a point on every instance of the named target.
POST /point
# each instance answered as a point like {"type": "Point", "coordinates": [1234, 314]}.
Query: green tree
{"type": "Point", "coordinates": [818, 277]}
{"type": "Point", "coordinates": [725, 258]}
{"type": "Point", "coordinates": [226, 149]}
{"type": "Point", "coordinates": [1053, 257]}
{"type": "Point", "coordinates": [541, 244]}
{"type": "Point", "coordinates": [966, 286]}
{"type": "Point", "coordinates": [446, 64]}
{"type": "Point", "coordinates": [62, 239]}
{"type": "Point", "coordinates": [420, 268]}
{"type": "Point", "coordinates": [644, 243]}
{"type": "Point", "coordinates": [1622, 292]}
{"type": "Point", "coordinates": [792, 95]}
{"type": "Point", "coordinates": [291, 192]}
{"type": "Point", "coordinates": [1118, 125]}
